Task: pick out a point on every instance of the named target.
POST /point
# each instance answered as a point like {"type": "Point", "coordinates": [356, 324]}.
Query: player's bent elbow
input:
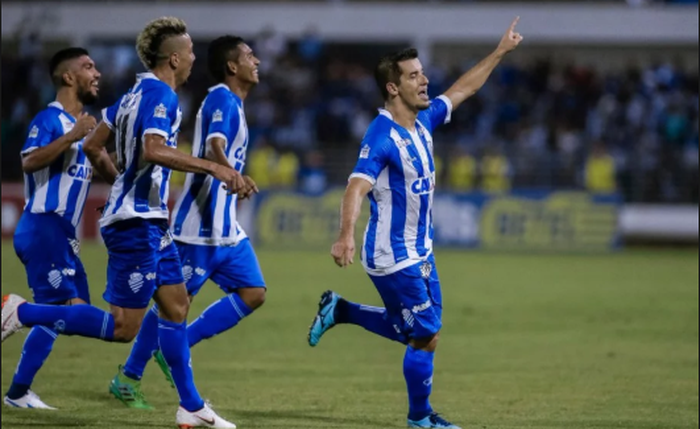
{"type": "Point", "coordinates": [29, 165]}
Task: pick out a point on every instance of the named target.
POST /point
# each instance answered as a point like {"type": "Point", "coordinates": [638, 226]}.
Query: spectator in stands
{"type": "Point", "coordinates": [600, 171]}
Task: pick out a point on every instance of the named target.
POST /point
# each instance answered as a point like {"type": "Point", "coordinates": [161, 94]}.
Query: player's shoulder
{"type": "Point", "coordinates": [220, 96]}
{"type": "Point", "coordinates": [50, 115]}
{"type": "Point", "coordinates": [155, 89]}
{"type": "Point", "coordinates": [379, 131]}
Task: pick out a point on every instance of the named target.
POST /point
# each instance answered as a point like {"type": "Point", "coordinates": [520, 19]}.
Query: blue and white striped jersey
{"type": "Point", "coordinates": [141, 189]}
{"type": "Point", "coordinates": [204, 213]}
{"type": "Point", "coordinates": [400, 166]}
{"type": "Point", "coordinates": [62, 187]}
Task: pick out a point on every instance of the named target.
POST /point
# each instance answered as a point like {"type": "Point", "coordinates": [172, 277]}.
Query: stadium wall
{"type": "Point", "coordinates": [526, 221]}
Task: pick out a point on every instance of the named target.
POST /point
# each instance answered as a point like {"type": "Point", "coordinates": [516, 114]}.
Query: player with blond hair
{"type": "Point", "coordinates": [143, 260]}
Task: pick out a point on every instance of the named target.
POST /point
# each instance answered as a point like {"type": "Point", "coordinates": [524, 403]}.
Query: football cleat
{"type": "Point", "coordinates": [128, 391]}
{"type": "Point", "coordinates": [432, 421]}
{"type": "Point", "coordinates": [325, 318]}
{"type": "Point", "coordinates": [10, 318]}
{"type": "Point", "coordinates": [206, 418]}
{"type": "Point", "coordinates": [30, 400]}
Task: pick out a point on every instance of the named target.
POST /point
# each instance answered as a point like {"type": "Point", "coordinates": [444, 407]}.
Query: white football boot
{"type": "Point", "coordinates": [10, 319]}
{"type": "Point", "coordinates": [30, 400]}
{"type": "Point", "coordinates": [206, 418]}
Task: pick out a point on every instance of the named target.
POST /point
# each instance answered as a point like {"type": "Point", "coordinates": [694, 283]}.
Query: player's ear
{"type": "Point", "coordinates": [392, 89]}
{"type": "Point", "coordinates": [68, 78]}
{"type": "Point", "coordinates": [231, 68]}
{"type": "Point", "coordinates": [174, 60]}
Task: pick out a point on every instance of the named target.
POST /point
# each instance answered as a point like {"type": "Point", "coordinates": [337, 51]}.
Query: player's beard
{"type": "Point", "coordinates": [87, 97]}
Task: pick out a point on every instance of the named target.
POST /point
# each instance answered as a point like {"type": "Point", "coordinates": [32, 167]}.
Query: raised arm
{"type": "Point", "coordinates": [156, 151]}
{"type": "Point", "coordinates": [470, 82]}
{"type": "Point", "coordinates": [96, 151]}
{"type": "Point", "coordinates": [343, 250]}
{"type": "Point", "coordinates": [44, 156]}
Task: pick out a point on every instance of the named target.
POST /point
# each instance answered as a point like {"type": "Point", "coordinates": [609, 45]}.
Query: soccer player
{"type": "Point", "coordinates": [57, 179]}
{"type": "Point", "coordinates": [143, 260]}
{"type": "Point", "coordinates": [211, 243]}
{"type": "Point", "coordinates": [396, 171]}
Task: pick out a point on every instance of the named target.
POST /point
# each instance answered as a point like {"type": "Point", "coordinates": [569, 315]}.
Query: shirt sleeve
{"type": "Point", "coordinates": [439, 112]}
{"type": "Point", "coordinates": [223, 122]}
{"type": "Point", "coordinates": [42, 131]}
{"type": "Point", "coordinates": [373, 158]}
{"type": "Point", "coordinates": [160, 114]}
{"type": "Point", "coordinates": [109, 114]}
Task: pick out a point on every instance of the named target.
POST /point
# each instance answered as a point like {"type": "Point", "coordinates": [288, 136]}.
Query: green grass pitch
{"type": "Point", "coordinates": [529, 341]}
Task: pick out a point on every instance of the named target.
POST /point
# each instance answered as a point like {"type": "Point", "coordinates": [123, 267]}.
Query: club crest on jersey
{"type": "Point", "coordinates": [80, 172]}
{"type": "Point", "coordinates": [423, 185]}
{"type": "Point", "coordinates": [34, 132]}
{"type": "Point", "coordinates": [160, 111]}
{"type": "Point", "coordinates": [364, 153]}
{"type": "Point", "coordinates": [217, 116]}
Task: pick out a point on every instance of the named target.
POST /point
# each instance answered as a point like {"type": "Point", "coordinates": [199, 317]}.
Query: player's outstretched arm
{"type": "Point", "coordinates": [45, 156]}
{"type": "Point", "coordinates": [94, 148]}
{"type": "Point", "coordinates": [474, 79]}
{"type": "Point", "coordinates": [343, 250]}
{"type": "Point", "coordinates": [157, 152]}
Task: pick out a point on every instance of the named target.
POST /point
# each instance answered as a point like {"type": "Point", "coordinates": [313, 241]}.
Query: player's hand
{"type": "Point", "coordinates": [343, 251]}
{"type": "Point", "coordinates": [249, 189]}
{"type": "Point", "coordinates": [83, 126]}
{"type": "Point", "coordinates": [511, 39]}
{"type": "Point", "coordinates": [232, 180]}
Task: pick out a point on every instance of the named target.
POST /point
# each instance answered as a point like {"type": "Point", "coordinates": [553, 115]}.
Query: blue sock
{"type": "Point", "coordinates": [418, 371]}
{"type": "Point", "coordinates": [82, 320]}
{"type": "Point", "coordinates": [145, 345]}
{"type": "Point", "coordinates": [221, 316]}
{"type": "Point", "coordinates": [371, 318]}
{"type": "Point", "coordinates": [172, 338]}
{"type": "Point", "coordinates": [36, 349]}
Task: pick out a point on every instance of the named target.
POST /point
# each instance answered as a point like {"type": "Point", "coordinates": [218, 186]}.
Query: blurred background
{"type": "Point", "coordinates": [583, 139]}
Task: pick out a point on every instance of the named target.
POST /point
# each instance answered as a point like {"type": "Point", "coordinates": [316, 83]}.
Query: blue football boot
{"type": "Point", "coordinates": [325, 318]}
{"type": "Point", "coordinates": [432, 421]}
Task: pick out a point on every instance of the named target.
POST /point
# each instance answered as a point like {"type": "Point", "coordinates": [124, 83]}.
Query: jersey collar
{"type": "Point", "coordinates": [221, 85]}
{"type": "Point", "coordinates": [147, 75]}
{"type": "Point", "coordinates": [57, 105]}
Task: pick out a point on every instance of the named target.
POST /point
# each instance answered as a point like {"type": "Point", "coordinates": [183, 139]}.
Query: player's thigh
{"type": "Point", "coordinates": [50, 264]}
{"type": "Point", "coordinates": [171, 294]}
{"type": "Point", "coordinates": [198, 262]}
{"type": "Point", "coordinates": [408, 302]}
{"type": "Point", "coordinates": [238, 268]}
{"type": "Point", "coordinates": [132, 264]}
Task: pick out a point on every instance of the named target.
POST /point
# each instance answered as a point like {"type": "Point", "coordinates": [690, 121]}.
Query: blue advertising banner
{"type": "Point", "coordinates": [532, 220]}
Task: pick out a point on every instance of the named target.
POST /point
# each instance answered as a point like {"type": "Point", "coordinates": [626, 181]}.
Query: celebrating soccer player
{"type": "Point", "coordinates": [396, 171]}
{"type": "Point", "coordinates": [57, 179]}
{"type": "Point", "coordinates": [211, 243]}
{"type": "Point", "coordinates": [143, 260]}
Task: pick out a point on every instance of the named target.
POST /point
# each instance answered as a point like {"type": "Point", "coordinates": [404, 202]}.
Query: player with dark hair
{"type": "Point", "coordinates": [397, 172]}
{"type": "Point", "coordinates": [57, 180]}
{"type": "Point", "coordinates": [143, 260]}
{"type": "Point", "coordinates": [211, 243]}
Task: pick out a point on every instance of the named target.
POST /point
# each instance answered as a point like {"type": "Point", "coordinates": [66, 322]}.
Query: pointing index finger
{"type": "Point", "coordinates": [514, 23]}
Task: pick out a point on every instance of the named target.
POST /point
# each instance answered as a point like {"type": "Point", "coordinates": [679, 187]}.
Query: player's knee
{"type": "Point", "coordinates": [428, 344]}
{"type": "Point", "coordinates": [175, 311]}
{"type": "Point", "coordinates": [125, 331]}
{"type": "Point", "coordinates": [254, 298]}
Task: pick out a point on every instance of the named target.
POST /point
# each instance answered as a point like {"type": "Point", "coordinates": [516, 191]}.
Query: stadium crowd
{"type": "Point", "coordinates": [541, 124]}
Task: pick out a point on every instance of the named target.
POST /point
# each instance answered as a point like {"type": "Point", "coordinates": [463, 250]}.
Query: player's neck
{"type": "Point", "coordinates": [239, 88]}
{"type": "Point", "coordinates": [402, 115]}
{"type": "Point", "coordinates": [166, 76]}
{"type": "Point", "coordinates": [69, 101]}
